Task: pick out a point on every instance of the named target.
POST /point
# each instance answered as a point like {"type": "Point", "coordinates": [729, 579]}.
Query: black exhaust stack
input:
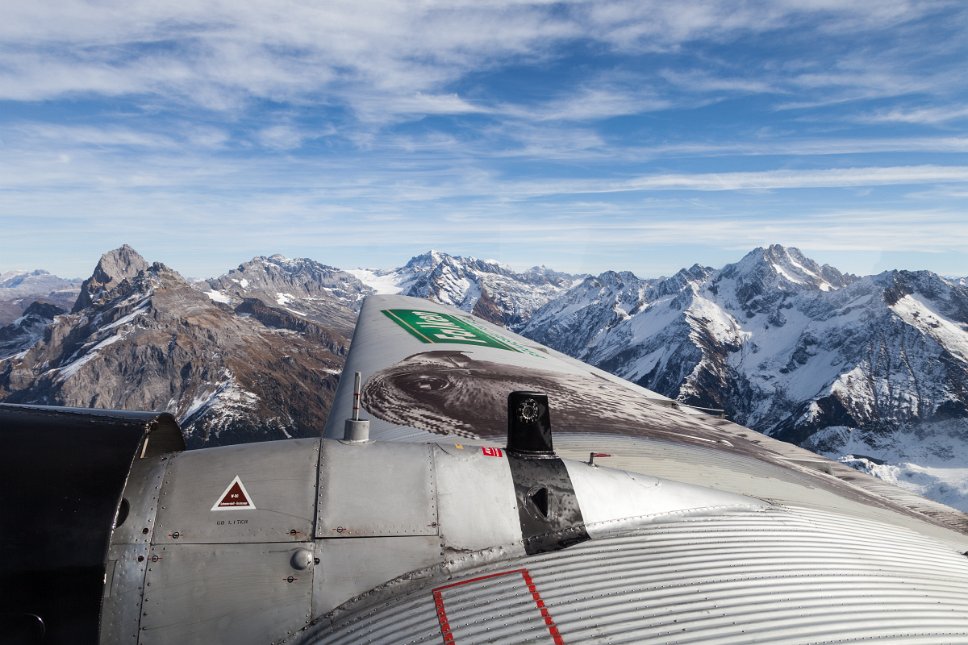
{"type": "Point", "coordinates": [529, 426]}
{"type": "Point", "coordinates": [548, 509]}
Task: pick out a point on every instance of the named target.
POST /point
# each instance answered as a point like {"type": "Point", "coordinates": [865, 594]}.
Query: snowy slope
{"type": "Point", "coordinates": [792, 349]}
{"type": "Point", "coordinates": [484, 287]}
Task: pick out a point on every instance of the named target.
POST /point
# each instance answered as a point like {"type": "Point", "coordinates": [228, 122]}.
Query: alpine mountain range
{"type": "Point", "coordinates": [869, 370]}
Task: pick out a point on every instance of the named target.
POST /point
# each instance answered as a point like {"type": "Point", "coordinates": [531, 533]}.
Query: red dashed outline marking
{"type": "Point", "coordinates": [445, 631]}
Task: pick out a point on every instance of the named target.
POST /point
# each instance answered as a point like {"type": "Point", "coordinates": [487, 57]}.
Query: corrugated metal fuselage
{"type": "Point", "coordinates": [336, 541]}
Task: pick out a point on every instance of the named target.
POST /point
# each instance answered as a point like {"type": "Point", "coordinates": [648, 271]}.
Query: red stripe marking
{"type": "Point", "coordinates": [445, 630]}
{"type": "Point", "coordinates": [552, 628]}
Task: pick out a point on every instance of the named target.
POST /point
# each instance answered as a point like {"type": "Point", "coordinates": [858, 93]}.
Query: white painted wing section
{"type": "Point", "coordinates": [776, 576]}
{"type": "Point", "coordinates": [615, 500]}
{"type": "Point", "coordinates": [423, 376]}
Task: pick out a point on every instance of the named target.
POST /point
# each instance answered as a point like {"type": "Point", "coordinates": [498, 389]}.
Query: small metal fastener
{"type": "Point", "coordinates": [175, 535]}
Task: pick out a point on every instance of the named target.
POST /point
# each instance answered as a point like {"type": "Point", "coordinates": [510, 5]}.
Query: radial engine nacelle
{"type": "Point", "coordinates": [121, 535]}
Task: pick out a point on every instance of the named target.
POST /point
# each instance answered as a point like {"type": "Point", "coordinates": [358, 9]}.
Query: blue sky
{"type": "Point", "coordinates": [642, 136]}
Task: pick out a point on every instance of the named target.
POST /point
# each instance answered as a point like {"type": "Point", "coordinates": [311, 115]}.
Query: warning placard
{"type": "Point", "coordinates": [234, 498]}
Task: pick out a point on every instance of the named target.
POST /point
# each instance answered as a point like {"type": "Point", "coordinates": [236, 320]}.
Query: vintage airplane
{"type": "Point", "coordinates": [472, 504]}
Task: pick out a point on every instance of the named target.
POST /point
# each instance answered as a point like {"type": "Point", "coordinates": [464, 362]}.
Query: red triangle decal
{"type": "Point", "coordinates": [235, 497]}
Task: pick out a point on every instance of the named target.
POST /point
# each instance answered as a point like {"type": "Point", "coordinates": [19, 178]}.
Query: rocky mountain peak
{"type": "Point", "coordinates": [764, 278]}
{"type": "Point", "coordinates": [785, 268]}
{"type": "Point", "coordinates": [144, 338]}
{"type": "Point", "coordinates": [115, 266]}
{"type": "Point", "coordinates": [301, 287]}
{"type": "Point", "coordinates": [426, 261]}
{"type": "Point", "coordinates": [121, 263]}
{"type": "Point", "coordinates": [278, 277]}
{"type": "Point", "coordinates": [950, 298]}
{"type": "Point", "coordinates": [693, 277]}
{"type": "Point", "coordinates": [485, 287]}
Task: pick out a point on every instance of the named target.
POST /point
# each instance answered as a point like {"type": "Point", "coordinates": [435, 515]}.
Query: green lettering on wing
{"type": "Point", "coordinates": [436, 327]}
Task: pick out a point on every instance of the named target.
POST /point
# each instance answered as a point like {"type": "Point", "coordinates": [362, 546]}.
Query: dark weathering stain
{"type": "Point", "coordinates": [454, 393]}
{"type": "Point", "coordinates": [451, 392]}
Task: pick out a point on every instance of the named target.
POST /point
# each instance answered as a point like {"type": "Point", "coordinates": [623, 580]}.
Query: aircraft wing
{"type": "Point", "coordinates": [431, 373]}
{"type": "Point", "coordinates": [709, 533]}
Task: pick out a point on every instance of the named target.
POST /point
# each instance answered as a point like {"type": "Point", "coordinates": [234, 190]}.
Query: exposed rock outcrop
{"type": "Point", "coordinates": [146, 339]}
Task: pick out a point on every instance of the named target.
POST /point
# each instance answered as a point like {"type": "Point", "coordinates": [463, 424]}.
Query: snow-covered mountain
{"type": "Point", "coordinates": [871, 370]}
{"type": "Point", "coordinates": [483, 287]}
{"type": "Point", "coordinates": [253, 354]}
{"type": "Point", "coordinates": [20, 289]}
{"type": "Point", "coordinates": [840, 364]}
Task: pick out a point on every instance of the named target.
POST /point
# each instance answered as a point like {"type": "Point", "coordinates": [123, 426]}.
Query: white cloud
{"type": "Point", "coordinates": [785, 179]}
{"type": "Point", "coordinates": [280, 137]}
{"type": "Point", "coordinates": [703, 82]}
{"type": "Point", "coordinates": [588, 104]}
{"type": "Point", "coordinates": [66, 135]}
{"type": "Point", "coordinates": [219, 54]}
{"type": "Point", "coordinates": [926, 115]}
{"type": "Point", "coordinates": [215, 53]}
{"type": "Point", "coordinates": [176, 107]}
{"type": "Point", "coordinates": [759, 181]}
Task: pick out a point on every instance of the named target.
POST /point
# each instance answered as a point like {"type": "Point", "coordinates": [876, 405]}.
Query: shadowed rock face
{"type": "Point", "coordinates": [28, 328]}
{"type": "Point", "coordinates": [141, 337]}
